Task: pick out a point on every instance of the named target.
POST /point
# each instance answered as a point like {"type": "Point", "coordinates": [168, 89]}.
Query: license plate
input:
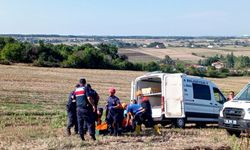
{"type": "Point", "coordinates": [226, 121]}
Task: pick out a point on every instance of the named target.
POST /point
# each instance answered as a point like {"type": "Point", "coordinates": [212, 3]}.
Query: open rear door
{"type": "Point", "coordinates": [132, 90]}
{"type": "Point", "coordinates": [173, 96]}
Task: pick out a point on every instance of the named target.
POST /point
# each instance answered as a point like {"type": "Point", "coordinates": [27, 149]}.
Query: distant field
{"type": "Point", "coordinates": [32, 112]}
{"type": "Point", "coordinates": [137, 56]}
{"type": "Point", "coordinates": [185, 54]}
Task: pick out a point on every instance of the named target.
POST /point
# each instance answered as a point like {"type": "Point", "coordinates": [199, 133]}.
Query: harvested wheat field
{"type": "Point", "coordinates": [32, 112]}
{"type": "Point", "coordinates": [185, 54]}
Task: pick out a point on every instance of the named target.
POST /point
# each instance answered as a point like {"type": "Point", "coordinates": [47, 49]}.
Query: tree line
{"type": "Point", "coordinates": [101, 56]}
{"type": "Point", "coordinates": [106, 56]}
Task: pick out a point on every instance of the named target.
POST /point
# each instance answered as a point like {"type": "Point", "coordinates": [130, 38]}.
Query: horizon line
{"type": "Point", "coordinates": [79, 35]}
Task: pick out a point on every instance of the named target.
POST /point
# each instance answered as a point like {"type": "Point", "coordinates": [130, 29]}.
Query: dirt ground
{"type": "Point", "coordinates": [32, 112]}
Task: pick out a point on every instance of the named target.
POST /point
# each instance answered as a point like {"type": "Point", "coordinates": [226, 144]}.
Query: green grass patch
{"type": "Point", "coordinates": [20, 107]}
{"type": "Point", "coordinates": [59, 120]}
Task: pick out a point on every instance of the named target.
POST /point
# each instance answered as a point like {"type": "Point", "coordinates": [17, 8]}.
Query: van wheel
{"type": "Point", "coordinates": [233, 132]}
{"type": "Point", "coordinates": [179, 123]}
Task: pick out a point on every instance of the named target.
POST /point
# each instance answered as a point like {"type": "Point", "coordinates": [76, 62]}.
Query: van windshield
{"type": "Point", "coordinates": [244, 94]}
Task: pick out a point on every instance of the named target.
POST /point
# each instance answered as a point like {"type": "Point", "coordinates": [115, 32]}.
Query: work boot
{"type": "Point", "coordinates": [138, 129]}
{"type": "Point", "coordinates": [82, 137]}
{"type": "Point", "coordinates": [157, 129]}
{"type": "Point", "coordinates": [93, 137]}
{"type": "Point", "coordinates": [76, 132]}
{"type": "Point", "coordinates": [84, 131]}
{"type": "Point", "coordinates": [68, 132]}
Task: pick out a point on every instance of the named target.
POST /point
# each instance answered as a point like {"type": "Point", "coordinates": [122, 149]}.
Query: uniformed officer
{"type": "Point", "coordinates": [85, 110]}
{"type": "Point", "coordinates": [71, 111]}
{"type": "Point", "coordinates": [95, 97]}
{"type": "Point", "coordinates": [114, 115]}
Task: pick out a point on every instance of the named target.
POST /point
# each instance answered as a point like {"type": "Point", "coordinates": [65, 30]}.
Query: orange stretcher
{"type": "Point", "coordinates": [103, 126]}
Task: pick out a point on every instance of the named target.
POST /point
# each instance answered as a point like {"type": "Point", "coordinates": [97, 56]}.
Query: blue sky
{"type": "Point", "coordinates": [126, 17]}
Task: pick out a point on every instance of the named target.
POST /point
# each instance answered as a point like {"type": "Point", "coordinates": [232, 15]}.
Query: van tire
{"type": "Point", "coordinates": [179, 123]}
{"type": "Point", "coordinates": [234, 132]}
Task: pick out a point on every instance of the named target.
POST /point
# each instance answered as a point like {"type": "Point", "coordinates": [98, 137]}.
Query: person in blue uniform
{"type": "Point", "coordinates": [94, 95]}
{"type": "Point", "coordinates": [136, 111]}
{"type": "Point", "coordinates": [85, 110]}
{"type": "Point", "coordinates": [114, 115]}
{"type": "Point", "coordinates": [146, 116]}
{"type": "Point", "coordinates": [141, 116]}
{"type": "Point", "coordinates": [71, 111]}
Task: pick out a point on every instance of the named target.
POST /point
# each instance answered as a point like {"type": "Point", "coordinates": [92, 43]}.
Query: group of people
{"type": "Point", "coordinates": [82, 109]}
{"type": "Point", "coordinates": [84, 114]}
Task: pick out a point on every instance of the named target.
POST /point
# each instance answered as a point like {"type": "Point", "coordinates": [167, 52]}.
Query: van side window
{"type": "Point", "coordinates": [201, 92]}
{"type": "Point", "coordinates": [219, 96]}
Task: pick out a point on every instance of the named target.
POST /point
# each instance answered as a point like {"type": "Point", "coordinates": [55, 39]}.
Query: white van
{"type": "Point", "coordinates": [235, 115]}
{"type": "Point", "coordinates": [179, 98]}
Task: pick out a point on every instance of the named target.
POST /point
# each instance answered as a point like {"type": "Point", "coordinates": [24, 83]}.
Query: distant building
{"type": "Point", "coordinates": [218, 65]}
{"type": "Point", "coordinates": [161, 45]}
{"type": "Point", "coordinates": [210, 46]}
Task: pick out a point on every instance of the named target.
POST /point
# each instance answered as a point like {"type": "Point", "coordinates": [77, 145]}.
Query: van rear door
{"type": "Point", "coordinates": [173, 96]}
{"type": "Point", "coordinates": [132, 90]}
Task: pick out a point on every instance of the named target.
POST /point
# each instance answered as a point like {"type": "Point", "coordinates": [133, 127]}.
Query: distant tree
{"type": "Point", "coordinates": [12, 52]}
{"type": "Point", "coordinates": [151, 66]}
{"type": "Point", "coordinates": [156, 45]}
{"type": "Point", "coordinates": [242, 62]}
{"type": "Point", "coordinates": [167, 68]}
{"type": "Point", "coordinates": [180, 67]}
{"type": "Point", "coordinates": [230, 60]}
{"type": "Point", "coordinates": [209, 60]}
{"type": "Point", "coordinates": [167, 60]}
{"type": "Point", "coordinates": [109, 50]}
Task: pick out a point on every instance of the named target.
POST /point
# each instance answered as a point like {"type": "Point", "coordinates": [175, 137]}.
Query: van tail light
{"type": "Point", "coordinates": [162, 104]}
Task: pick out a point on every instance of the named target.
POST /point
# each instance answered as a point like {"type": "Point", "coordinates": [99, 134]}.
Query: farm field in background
{"type": "Point", "coordinates": [192, 55]}
{"type": "Point", "coordinates": [32, 111]}
{"type": "Point", "coordinates": [135, 55]}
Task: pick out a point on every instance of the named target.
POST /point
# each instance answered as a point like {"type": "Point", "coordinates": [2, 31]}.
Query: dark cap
{"type": "Point", "coordinates": [82, 81]}
{"type": "Point", "coordinates": [88, 85]}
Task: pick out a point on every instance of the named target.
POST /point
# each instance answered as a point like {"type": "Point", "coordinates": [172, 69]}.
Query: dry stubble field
{"type": "Point", "coordinates": [32, 112]}
{"type": "Point", "coordinates": [192, 55]}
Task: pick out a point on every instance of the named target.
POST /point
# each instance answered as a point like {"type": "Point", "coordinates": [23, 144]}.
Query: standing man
{"type": "Point", "coordinates": [85, 110]}
{"type": "Point", "coordinates": [71, 111]}
{"type": "Point", "coordinates": [95, 97]}
{"type": "Point", "coordinates": [113, 113]}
